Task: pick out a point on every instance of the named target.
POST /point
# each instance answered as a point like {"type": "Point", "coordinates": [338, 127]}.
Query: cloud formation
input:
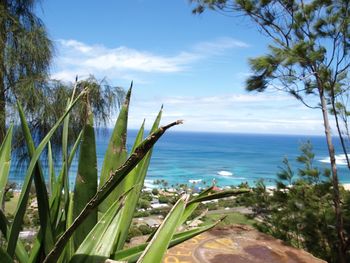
{"type": "Point", "coordinates": [75, 57]}
{"type": "Point", "coordinates": [240, 113]}
{"type": "Point", "coordinates": [230, 112]}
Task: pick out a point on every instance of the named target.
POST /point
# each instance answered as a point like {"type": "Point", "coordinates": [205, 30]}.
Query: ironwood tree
{"type": "Point", "coordinates": [25, 54]}
{"type": "Point", "coordinates": [308, 56]}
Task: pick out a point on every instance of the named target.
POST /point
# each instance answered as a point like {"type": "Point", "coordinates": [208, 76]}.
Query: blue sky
{"type": "Point", "coordinates": [194, 65]}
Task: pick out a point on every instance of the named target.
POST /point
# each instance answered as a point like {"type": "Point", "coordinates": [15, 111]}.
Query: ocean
{"type": "Point", "coordinates": [227, 159]}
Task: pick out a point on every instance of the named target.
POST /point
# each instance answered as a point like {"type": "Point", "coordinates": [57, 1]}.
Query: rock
{"type": "Point", "coordinates": [238, 244]}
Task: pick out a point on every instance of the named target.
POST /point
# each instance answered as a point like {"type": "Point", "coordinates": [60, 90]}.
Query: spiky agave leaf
{"type": "Point", "coordinates": [116, 153]}
{"type": "Point", "coordinates": [156, 248]}
{"type": "Point", "coordinates": [22, 203]}
{"type": "Point", "coordinates": [135, 177]}
{"type": "Point", "coordinates": [97, 245]}
{"type": "Point", "coordinates": [113, 182]}
{"type": "Point", "coordinates": [5, 161]}
{"type": "Point", "coordinates": [86, 180]}
{"type": "Point", "coordinates": [132, 254]}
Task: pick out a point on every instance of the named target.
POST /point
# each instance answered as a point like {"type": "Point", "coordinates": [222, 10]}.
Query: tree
{"type": "Point", "coordinates": [300, 211]}
{"type": "Point", "coordinates": [308, 56]}
{"type": "Point", "coordinates": [25, 54]}
{"type": "Point", "coordinates": [49, 102]}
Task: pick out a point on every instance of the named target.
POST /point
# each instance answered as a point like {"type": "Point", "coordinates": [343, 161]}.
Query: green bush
{"type": "Point", "coordinates": [227, 203]}
{"type": "Point", "coordinates": [155, 191]}
{"type": "Point", "coordinates": [144, 204]}
{"type": "Point", "coordinates": [142, 213]}
{"type": "Point", "coordinates": [164, 199]}
{"type": "Point", "coordinates": [212, 206]}
{"type": "Point", "coordinates": [146, 196]}
{"type": "Point", "coordinates": [145, 229]}
{"type": "Point", "coordinates": [133, 232]}
{"type": "Point", "coordinates": [167, 199]}
{"type": "Point", "coordinates": [160, 211]}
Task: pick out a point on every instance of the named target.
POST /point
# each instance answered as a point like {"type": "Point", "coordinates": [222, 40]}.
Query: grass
{"type": "Point", "coordinates": [231, 219]}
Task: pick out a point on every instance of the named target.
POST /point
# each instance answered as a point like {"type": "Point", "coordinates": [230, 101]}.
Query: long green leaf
{"type": "Point", "coordinates": [136, 176]}
{"type": "Point", "coordinates": [21, 253]}
{"type": "Point", "coordinates": [5, 161]}
{"type": "Point", "coordinates": [112, 182]}
{"type": "Point", "coordinates": [190, 207]}
{"type": "Point", "coordinates": [86, 180]}
{"type": "Point", "coordinates": [69, 249]}
{"type": "Point", "coordinates": [97, 245]}
{"type": "Point", "coordinates": [5, 258]}
{"type": "Point", "coordinates": [22, 203]}
{"type": "Point", "coordinates": [127, 212]}
{"type": "Point", "coordinates": [65, 157]}
{"type": "Point", "coordinates": [55, 200]}
{"type": "Point", "coordinates": [157, 247]}
{"type": "Point", "coordinates": [40, 188]}
{"type": "Point", "coordinates": [52, 176]}
{"type": "Point", "coordinates": [116, 153]}
{"type": "Point", "coordinates": [133, 254]}
{"type": "Point", "coordinates": [218, 195]}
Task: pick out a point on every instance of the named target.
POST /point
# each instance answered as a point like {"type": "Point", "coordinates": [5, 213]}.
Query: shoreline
{"type": "Point", "coordinates": [269, 187]}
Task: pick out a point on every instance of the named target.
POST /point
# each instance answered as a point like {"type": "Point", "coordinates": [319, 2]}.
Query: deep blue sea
{"type": "Point", "coordinates": [229, 159]}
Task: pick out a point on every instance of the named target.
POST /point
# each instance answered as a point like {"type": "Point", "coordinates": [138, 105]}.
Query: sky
{"type": "Point", "coordinates": [196, 65]}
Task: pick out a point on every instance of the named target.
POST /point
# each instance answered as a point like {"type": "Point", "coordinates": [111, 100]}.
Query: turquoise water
{"type": "Point", "coordinates": [229, 159]}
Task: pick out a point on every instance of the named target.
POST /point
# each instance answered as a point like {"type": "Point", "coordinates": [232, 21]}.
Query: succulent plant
{"type": "Point", "coordinates": [91, 223]}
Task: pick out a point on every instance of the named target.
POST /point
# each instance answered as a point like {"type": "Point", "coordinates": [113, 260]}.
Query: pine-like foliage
{"type": "Point", "coordinates": [300, 210]}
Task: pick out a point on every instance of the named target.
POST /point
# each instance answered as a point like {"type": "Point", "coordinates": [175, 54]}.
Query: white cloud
{"type": "Point", "coordinates": [219, 45]}
{"type": "Point", "coordinates": [243, 113]}
{"type": "Point", "coordinates": [75, 57]}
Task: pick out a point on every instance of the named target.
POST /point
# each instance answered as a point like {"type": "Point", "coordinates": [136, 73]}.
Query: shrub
{"type": "Point", "coordinates": [146, 196]}
{"type": "Point", "coordinates": [133, 232]}
{"type": "Point", "coordinates": [155, 191]}
{"type": "Point", "coordinates": [163, 199]}
{"type": "Point", "coordinates": [212, 206]}
{"type": "Point", "coordinates": [145, 229]}
{"type": "Point", "coordinates": [142, 213]}
{"type": "Point", "coordinates": [144, 204]}
{"type": "Point", "coordinates": [160, 211]}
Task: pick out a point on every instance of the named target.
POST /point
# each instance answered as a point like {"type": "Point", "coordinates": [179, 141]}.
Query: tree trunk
{"type": "Point", "coordinates": [2, 109]}
{"type": "Point", "coordinates": [2, 77]}
{"type": "Point", "coordinates": [338, 128]}
{"type": "Point", "coordinates": [335, 181]}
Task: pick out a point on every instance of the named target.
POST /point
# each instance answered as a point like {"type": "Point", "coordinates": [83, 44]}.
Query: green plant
{"type": "Point", "coordinates": [146, 196]}
{"type": "Point", "coordinates": [133, 232]}
{"type": "Point", "coordinates": [141, 214]}
{"type": "Point", "coordinates": [142, 203]}
{"type": "Point", "coordinates": [145, 229]}
{"type": "Point", "coordinates": [71, 229]}
{"type": "Point", "coordinates": [299, 211]}
{"type": "Point", "coordinates": [164, 199]}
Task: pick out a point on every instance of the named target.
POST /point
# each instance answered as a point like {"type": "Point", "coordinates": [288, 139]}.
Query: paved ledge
{"type": "Point", "coordinates": [236, 244]}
